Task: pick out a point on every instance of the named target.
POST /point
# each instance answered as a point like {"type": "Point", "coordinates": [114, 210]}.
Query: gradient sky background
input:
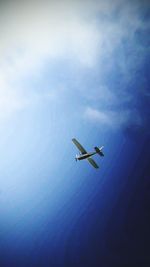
{"type": "Point", "coordinates": [74, 69]}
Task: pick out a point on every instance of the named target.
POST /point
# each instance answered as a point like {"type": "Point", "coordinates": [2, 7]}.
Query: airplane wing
{"type": "Point", "coordinates": [93, 163]}
{"type": "Point", "coordinates": [78, 145]}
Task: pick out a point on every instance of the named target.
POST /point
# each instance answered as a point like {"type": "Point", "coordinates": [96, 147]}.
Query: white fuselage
{"type": "Point", "coordinates": [84, 156]}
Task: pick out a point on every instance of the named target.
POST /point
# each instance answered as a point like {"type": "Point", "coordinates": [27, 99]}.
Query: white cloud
{"type": "Point", "coordinates": [83, 32]}
{"type": "Point", "coordinates": [31, 33]}
{"type": "Point", "coordinates": [113, 119]}
{"type": "Point", "coordinates": [48, 29]}
{"type": "Point", "coordinates": [10, 100]}
{"type": "Point", "coordinates": [98, 116]}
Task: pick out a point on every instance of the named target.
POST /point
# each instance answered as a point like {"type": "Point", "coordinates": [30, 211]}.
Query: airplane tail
{"type": "Point", "coordinates": [99, 151]}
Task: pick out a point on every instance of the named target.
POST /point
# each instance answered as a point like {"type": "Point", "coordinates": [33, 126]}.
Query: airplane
{"type": "Point", "coordinates": [83, 154]}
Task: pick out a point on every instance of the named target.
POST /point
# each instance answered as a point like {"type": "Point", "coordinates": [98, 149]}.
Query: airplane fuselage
{"type": "Point", "coordinates": [84, 156]}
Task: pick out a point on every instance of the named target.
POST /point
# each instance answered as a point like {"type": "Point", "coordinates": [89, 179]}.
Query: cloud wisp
{"type": "Point", "coordinates": [99, 36]}
{"type": "Point", "coordinates": [113, 119]}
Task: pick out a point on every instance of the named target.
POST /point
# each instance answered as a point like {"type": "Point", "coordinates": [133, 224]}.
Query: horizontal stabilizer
{"type": "Point", "coordinates": [99, 151]}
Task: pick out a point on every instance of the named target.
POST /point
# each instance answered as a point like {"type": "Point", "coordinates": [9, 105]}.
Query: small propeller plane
{"type": "Point", "coordinates": [83, 154]}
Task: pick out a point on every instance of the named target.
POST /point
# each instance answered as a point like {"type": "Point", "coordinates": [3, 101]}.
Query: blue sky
{"type": "Point", "coordinates": [72, 69]}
